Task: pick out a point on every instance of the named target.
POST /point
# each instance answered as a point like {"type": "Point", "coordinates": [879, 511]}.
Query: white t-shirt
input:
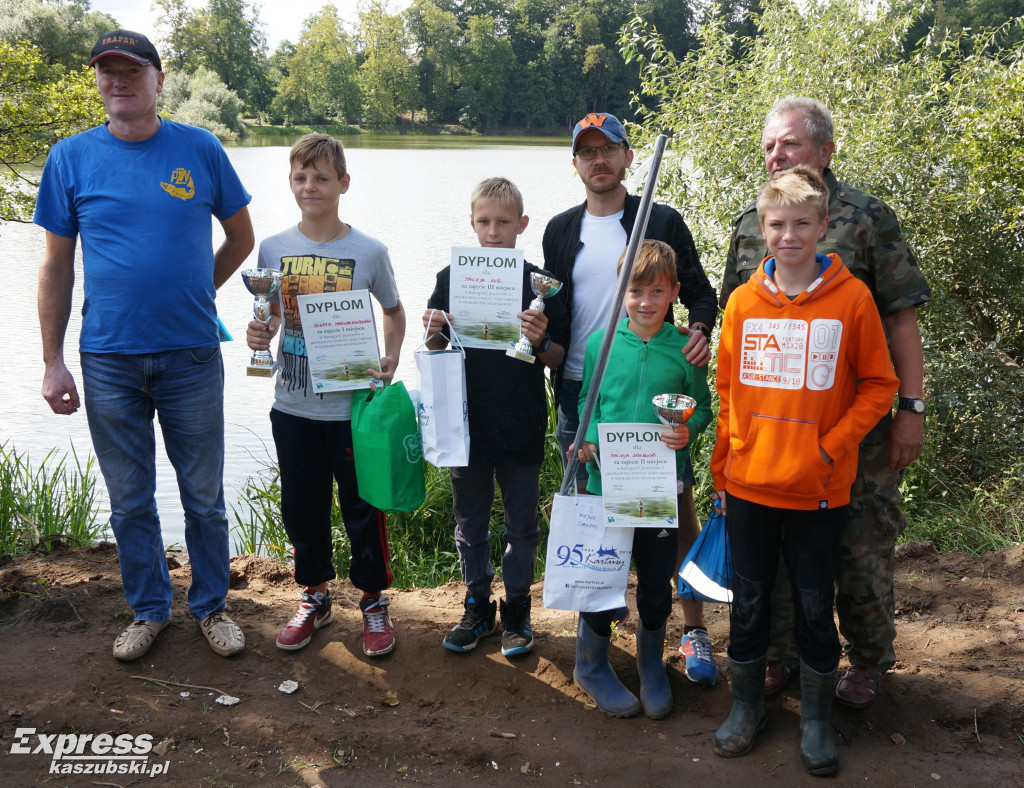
{"type": "Point", "coordinates": [355, 262]}
{"type": "Point", "coordinates": [593, 283]}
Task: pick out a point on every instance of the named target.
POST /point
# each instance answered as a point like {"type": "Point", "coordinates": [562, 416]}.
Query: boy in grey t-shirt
{"type": "Point", "coordinates": [313, 431]}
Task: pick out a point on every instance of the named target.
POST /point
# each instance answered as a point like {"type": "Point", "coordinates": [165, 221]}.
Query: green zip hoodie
{"type": "Point", "coordinates": [636, 372]}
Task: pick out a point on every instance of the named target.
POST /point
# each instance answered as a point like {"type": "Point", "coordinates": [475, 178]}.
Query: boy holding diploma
{"type": "Point", "coordinates": [508, 419]}
{"type": "Point", "coordinates": [313, 432]}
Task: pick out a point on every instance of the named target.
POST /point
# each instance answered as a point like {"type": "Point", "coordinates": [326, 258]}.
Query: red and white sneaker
{"type": "Point", "coordinates": [378, 631]}
{"type": "Point", "coordinates": [314, 612]}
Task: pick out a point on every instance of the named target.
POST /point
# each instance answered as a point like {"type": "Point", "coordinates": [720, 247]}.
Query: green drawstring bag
{"type": "Point", "coordinates": [387, 449]}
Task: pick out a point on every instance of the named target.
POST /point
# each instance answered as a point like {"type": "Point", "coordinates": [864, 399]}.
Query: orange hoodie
{"type": "Point", "coordinates": [795, 375]}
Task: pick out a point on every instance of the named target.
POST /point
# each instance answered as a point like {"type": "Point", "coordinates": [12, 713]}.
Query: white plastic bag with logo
{"type": "Point", "coordinates": [443, 413]}
{"type": "Point", "coordinates": [587, 565]}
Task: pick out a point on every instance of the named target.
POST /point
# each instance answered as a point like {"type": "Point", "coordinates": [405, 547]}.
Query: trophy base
{"type": "Point", "coordinates": [259, 371]}
{"type": "Point", "coordinates": [519, 354]}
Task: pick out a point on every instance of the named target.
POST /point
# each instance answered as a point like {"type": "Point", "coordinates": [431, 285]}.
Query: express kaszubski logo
{"type": "Point", "coordinates": [88, 753]}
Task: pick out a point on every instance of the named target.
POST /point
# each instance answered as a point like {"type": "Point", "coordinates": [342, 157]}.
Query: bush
{"type": "Point", "coordinates": [201, 99]}
{"type": "Point", "coordinates": [938, 135]}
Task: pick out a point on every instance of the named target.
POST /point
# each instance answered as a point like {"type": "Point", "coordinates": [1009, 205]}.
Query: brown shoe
{"type": "Point", "coordinates": [776, 678]}
{"type": "Point", "coordinates": [859, 687]}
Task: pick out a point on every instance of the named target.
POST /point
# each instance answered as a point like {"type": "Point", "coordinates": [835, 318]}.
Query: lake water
{"type": "Point", "coordinates": [410, 192]}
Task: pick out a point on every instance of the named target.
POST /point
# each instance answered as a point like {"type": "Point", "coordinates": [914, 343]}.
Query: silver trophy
{"type": "Point", "coordinates": [674, 409]}
{"type": "Point", "coordinates": [543, 286]}
{"type": "Point", "coordinates": [262, 283]}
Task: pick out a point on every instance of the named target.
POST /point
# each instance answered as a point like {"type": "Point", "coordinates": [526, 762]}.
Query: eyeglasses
{"type": "Point", "coordinates": [607, 151]}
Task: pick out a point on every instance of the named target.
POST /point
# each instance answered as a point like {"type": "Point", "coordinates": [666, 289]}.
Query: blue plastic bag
{"type": "Point", "coordinates": [706, 573]}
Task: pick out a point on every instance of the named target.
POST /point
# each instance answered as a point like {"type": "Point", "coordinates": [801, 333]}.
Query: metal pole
{"type": "Point", "coordinates": [625, 276]}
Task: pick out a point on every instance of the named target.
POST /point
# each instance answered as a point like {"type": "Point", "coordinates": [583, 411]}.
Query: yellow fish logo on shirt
{"type": "Point", "coordinates": [181, 185]}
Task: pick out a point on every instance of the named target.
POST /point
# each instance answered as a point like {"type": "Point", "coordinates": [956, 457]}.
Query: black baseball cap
{"type": "Point", "coordinates": [127, 44]}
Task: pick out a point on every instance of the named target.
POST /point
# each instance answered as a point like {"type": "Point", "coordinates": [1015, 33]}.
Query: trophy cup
{"type": "Point", "coordinates": [543, 287]}
{"type": "Point", "coordinates": [673, 409]}
{"type": "Point", "coordinates": [262, 283]}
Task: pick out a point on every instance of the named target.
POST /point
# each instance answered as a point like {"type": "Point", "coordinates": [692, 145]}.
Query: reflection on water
{"type": "Point", "coordinates": [411, 192]}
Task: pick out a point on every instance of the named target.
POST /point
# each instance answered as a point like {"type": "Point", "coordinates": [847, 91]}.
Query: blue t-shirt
{"type": "Point", "coordinates": [143, 211]}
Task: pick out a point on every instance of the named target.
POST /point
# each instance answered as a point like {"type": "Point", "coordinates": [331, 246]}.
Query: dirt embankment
{"type": "Point", "coordinates": [952, 713]}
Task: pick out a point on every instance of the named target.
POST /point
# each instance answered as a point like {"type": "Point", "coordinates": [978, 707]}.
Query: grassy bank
{"type": "Point", "coordinates": [56, 500]}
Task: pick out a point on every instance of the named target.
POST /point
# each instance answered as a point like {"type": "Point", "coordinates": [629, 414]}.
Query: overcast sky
{"type": "Point", "coordinates": [282, 18]}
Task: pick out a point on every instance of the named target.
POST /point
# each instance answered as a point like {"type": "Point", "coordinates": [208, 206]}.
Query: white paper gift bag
{"type": "Point", "coordinates": [587, 565]}
{"type": "Point", "coordinates": [443, 414]}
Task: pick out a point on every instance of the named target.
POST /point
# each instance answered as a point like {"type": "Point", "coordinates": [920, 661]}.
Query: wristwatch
{"type": "Point", "coordinates": [544, 344]}
{"type": "Point", "coordinates": [705, 331]}
{"type": "Point", "coordinates": [913, 404]}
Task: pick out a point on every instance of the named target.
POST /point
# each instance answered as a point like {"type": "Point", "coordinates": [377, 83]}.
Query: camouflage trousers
{"type": "Point", "coordinates": [864, 579]}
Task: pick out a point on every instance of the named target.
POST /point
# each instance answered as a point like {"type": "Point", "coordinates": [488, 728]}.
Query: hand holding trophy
{"type": "Point", "coordinates": [262, 283]}
{"type": "Point", "coordinates": [543, 286]}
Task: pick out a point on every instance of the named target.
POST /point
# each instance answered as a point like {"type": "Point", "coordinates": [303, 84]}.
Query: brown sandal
{"type": "Point", "coordinates": [859, 687]}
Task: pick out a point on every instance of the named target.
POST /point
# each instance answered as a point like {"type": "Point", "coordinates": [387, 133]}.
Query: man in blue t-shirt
{"type": "Point", "coordinates": [139, 191]}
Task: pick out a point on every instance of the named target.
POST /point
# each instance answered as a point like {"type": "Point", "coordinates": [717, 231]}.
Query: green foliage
{"type": "Point", "coordinates": [65, 32]}
{"type": "Point", "coordinates": [321, 81]}
{"type": "Point", "coordinates": [201, 99]}
{"type": "Point", "coordinates": [386, 78]}
{"type": "Point", "coordinates": [40, 104]}
{"type": "Point", "coordinates": [939, 135]}
{"type": "Point", "coordinates": [225, 37]}
{"type": "Point", "coordinates": [55, 500]}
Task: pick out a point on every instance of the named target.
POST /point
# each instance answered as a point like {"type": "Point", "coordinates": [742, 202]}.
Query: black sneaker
{"type": "Point", "coordinates": [516, 635]}
{"type": "Point", "coordinates": [477, 622]}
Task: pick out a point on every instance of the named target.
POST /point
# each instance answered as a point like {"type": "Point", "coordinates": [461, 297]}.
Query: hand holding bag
{"type": "Point", "coordinates": [587, 565]}
{"type": "Point", "coordinates": [706, 573]}
{"type": "Point", "coordinates": [443, 412]}
{"type": "Point", "coordinates": [386, 447]}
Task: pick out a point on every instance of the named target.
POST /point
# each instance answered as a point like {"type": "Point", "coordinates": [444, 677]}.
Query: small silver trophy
{"type": "Point", "coordinates": [674, 409]}
{"type": "Point", "coordinates": [262, 283]}
{"type": "Point", "coordinates": [543, 286]}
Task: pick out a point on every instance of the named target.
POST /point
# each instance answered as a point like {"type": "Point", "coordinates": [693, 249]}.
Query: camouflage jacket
{"type": "Point", "coordinates": [862, 230]}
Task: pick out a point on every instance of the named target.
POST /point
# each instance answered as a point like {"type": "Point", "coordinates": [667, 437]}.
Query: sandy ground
{"type": "Point", "coordinates": [952, 712]}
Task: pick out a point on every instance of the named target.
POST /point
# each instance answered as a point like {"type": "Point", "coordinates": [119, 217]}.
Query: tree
{"type": "Point", "coordinates": [436, 35]}
{"type": "Point", "coordinates": [939, 136]}
{"type": "Point", "coordinates": [64, 32]}
{"type": "Point", "coordinates": [386, 77]}
{"type": "Point", "coordinates": [40, 103]}
{"type": "Point", "coordinates": [321, 83]}
{"type": "Point", "coordinates": [201, 99]}
{"type": "Point", "coordinates": [180, 33]}
{"type": "Point", "coordinates": [485, 76]}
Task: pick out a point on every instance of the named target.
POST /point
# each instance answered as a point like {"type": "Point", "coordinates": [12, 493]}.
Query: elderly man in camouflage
{"type": "Point", "coordinates": [865, 233]}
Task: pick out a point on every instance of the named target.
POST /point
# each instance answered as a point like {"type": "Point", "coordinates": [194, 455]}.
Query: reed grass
{"type": "Point", "coordinates": [55, 500]}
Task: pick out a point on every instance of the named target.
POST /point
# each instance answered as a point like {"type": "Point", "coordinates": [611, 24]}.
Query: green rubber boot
{"type": "Point", "coordinates": [747, 718]}
{"type": "Point", "coordinates": [817, 747]}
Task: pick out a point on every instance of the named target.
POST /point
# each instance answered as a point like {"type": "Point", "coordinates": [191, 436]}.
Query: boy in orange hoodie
{"type": "Point", "coordinates": [803, 375]}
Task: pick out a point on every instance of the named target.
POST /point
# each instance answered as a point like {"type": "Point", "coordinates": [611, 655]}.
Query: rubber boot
{"type": "Point", "coordinates": [594, 675]}
{"type": "Point", "coordinates": [747, 718]}
{"type": "Point", "coordinates": [817, 747]}
{"type": "Point", "coordinates": [655, 692]}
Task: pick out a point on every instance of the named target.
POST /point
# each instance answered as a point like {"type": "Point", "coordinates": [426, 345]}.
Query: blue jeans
{"type": "Point", "coordinates": [186, 388]}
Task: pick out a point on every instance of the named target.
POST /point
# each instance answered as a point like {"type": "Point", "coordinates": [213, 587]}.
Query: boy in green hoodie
{"type": "Point", "coordinates": [645, 360]}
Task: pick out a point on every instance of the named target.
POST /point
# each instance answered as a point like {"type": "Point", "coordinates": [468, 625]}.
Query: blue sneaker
{"type": "Point", "coordinates": [477, 622]}
{"type": "Point", "coordinates": [700, 665]}
{"type": "Point", "coordinates": [517, 635]}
